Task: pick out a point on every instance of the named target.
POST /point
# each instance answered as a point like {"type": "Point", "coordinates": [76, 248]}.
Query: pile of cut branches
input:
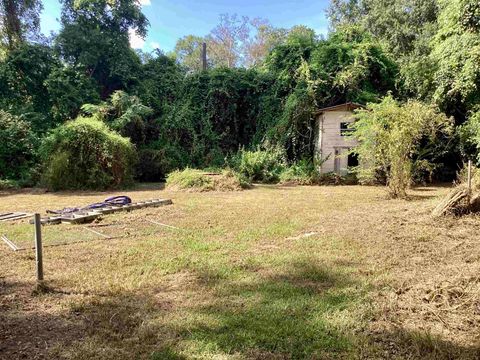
{"type": "Point", "coordinates": [459, 201]}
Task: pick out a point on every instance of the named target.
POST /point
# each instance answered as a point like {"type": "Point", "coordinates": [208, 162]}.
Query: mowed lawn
{"type": "Point", "coordinates": [268, 273]}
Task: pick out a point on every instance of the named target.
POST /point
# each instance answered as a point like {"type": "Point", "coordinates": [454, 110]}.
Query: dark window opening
{"type": "Point", "coordinates": [345, 129]}
{"type": "Point", "coordinates": [352, 160]}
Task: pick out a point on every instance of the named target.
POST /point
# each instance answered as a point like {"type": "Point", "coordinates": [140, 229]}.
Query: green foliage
{"type": "Point", "coordinates": [8, 184]}
{"type": "Point", "coordinates": [216, 112]}
{"type": "Point", "coordinates": [69, 89]}
{"type": "Point", "coordinates": [86, 154]}
{"type": "Point", "coordinates": [20, 21]}
{"type": "Point", "coordinates": [123, 113]}
{"type": "Point", "coordinates": [456, 55]}
{"type": "Point", "coordinates": [469, 134]}
{"type": "Point", "coordinates": [303, 172]}
{"type": "Point", "coordinates": [22, 83]}
{"type": "Point", "coordinates": [188, 52]}
{"type": "Point", "coordinates": [94, 37]}
{"type": "Point", "coordinates": [260, 165]}
{"type": "Point", "coordinates": [189, 178]}
{"type": "Point", "coordinates": [17, 149]}
{"type": "Point", "coordinates": [389, 136]}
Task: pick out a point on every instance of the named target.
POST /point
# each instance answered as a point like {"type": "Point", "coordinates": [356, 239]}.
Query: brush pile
{"type": "Point", "coordinates": [463, 199]}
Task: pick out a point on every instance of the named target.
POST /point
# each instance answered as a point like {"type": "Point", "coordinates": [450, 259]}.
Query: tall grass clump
{"type": "Point", "coordinates": [86, 154]}
{"type": "Point", "coordinates": [264, 166]}
{"type": "Point", "coordinates": [198, 180]}
{"type": "Point", "coordinates": [303, 172]}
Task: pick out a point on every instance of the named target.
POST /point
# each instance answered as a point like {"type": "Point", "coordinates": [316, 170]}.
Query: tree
{"type": "Point", "coordinates": [23, 89]}
{"type": "Point", "coordinates": [345, 12]}
{"type": "Point", "coordinates": [69, 89]}
{"type": "Point", "coordinates": [19, 21]}
{"type": "Point", "coordinates": [389, 135]}
{"type": "Point", "coordinates": [235, 42]}
{"type": "Point", "coordinates": [188, 52]}
{"type": "Point", "coordinates": [398, 23]}
{"type": "Point", "coordinates": [227, 39]}
{"type": "Point", "coordinates": [456, 55]}
{"type": "Point", "coordinates": [263, 42]}
{"type": "Point", "coordinates": [95, 38]}
{"type": "Point", "coordinates": [18, 147]}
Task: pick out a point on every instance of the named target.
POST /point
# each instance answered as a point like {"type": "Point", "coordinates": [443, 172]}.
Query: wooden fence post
{"type": "Point", "coordinates": [38, 247]}
{"type": "Point", "coordinates": [469, 178]}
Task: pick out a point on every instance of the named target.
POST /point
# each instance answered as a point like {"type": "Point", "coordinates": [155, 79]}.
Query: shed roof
{"type": "Point", "coordinates": [349, 106]}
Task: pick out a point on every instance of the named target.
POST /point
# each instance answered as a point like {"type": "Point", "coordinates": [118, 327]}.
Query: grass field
{"type": "Point", "coordinates": [268, 273]}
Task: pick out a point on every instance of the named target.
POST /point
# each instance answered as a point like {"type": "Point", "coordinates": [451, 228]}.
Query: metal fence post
{"type": "Point", "coordinates": [38, 247]}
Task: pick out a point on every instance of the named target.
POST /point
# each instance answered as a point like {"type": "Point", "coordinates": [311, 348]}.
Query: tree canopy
{"type": "Point", "coordinates": [262, 85]}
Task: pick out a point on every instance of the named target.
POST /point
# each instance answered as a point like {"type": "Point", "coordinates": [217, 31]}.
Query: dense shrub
{"type": "Point", "coordinates": [197, 180]}
{"type": "Point", "coordinates": [17, 145]}
{"type": "Point", "coordinates": [260, 165]}
{"type": "Point", "coordinates": [469, 134]}
{"type": "Point", "coordinates": [304, 172]}
{"type": "Point", "coordinates": [8, 184]}
{"type": "Point", "coordinates": [389, 136]}
{"type": "Point", "coordinates": [86, 154]}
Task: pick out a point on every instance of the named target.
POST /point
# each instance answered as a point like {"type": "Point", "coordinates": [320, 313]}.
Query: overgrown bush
{"type": "Point", "coordinates": [389, 135]}
{"type": "Point", "coordinates": [86, 154]}
{"type": "Point", "coordinates": [263, 166]}
{"type": "Point", "coordinates": [17, 147]}
{"type": "Point", "coordinates": [469, 134]}
{"type": "Point", "coordinates": [8, 184]}
{"type": "Point", "coordinates": [197, 180]}
{"type": "Point", "coordinates": [304, 172]}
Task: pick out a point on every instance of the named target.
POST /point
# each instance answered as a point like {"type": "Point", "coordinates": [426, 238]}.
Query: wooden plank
{"type": "Point", "coordinates": [14, 216]}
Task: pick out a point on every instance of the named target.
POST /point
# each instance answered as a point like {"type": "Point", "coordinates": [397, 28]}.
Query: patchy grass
{"type": "Point", "coordinates": [271, 273]}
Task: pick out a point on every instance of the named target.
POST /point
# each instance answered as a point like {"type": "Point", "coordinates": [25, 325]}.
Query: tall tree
{"type": "Point", "coordinates": [188, 51]}
{"type": "Point", "coordinates": [19, 21]}
{"type": "Point", "coordinates": [456, 57]}
{"type": "Point", "coordinates": [95, 37]}
{"type": "Point", "coordinates": [265, 39]}
{"type": "Point", "coordinates": [227, 39]}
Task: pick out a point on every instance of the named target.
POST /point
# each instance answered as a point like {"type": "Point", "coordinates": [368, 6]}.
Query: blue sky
{"type": "Point", "coordinates": [170, 20]}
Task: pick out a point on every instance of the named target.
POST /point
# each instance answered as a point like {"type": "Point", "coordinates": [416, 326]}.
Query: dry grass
{"type": "Point", "coordinates": [270, 273]}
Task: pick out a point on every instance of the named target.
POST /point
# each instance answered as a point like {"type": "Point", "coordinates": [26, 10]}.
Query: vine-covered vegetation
{"type": "Point", "coordinates": [253, 108]}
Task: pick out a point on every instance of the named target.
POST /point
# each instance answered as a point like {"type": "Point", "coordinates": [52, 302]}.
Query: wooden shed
{"type": "Point", "coordinates": [331, 143]}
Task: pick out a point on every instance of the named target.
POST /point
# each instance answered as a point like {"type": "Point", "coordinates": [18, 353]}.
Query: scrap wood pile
{"type": "Point", "coordinates": [459, 201]}
{"type": "Point", "coordinates": [90, 212]}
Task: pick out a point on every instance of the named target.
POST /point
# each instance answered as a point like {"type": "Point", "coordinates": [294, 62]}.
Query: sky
{"type": "Point", "coordinates": [171, 20]}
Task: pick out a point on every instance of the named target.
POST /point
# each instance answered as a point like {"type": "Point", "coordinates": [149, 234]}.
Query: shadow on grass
{"type": "Point", "coordinates": [290, 312]}
{"type": "Point", "coordinates": [282, 315]}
